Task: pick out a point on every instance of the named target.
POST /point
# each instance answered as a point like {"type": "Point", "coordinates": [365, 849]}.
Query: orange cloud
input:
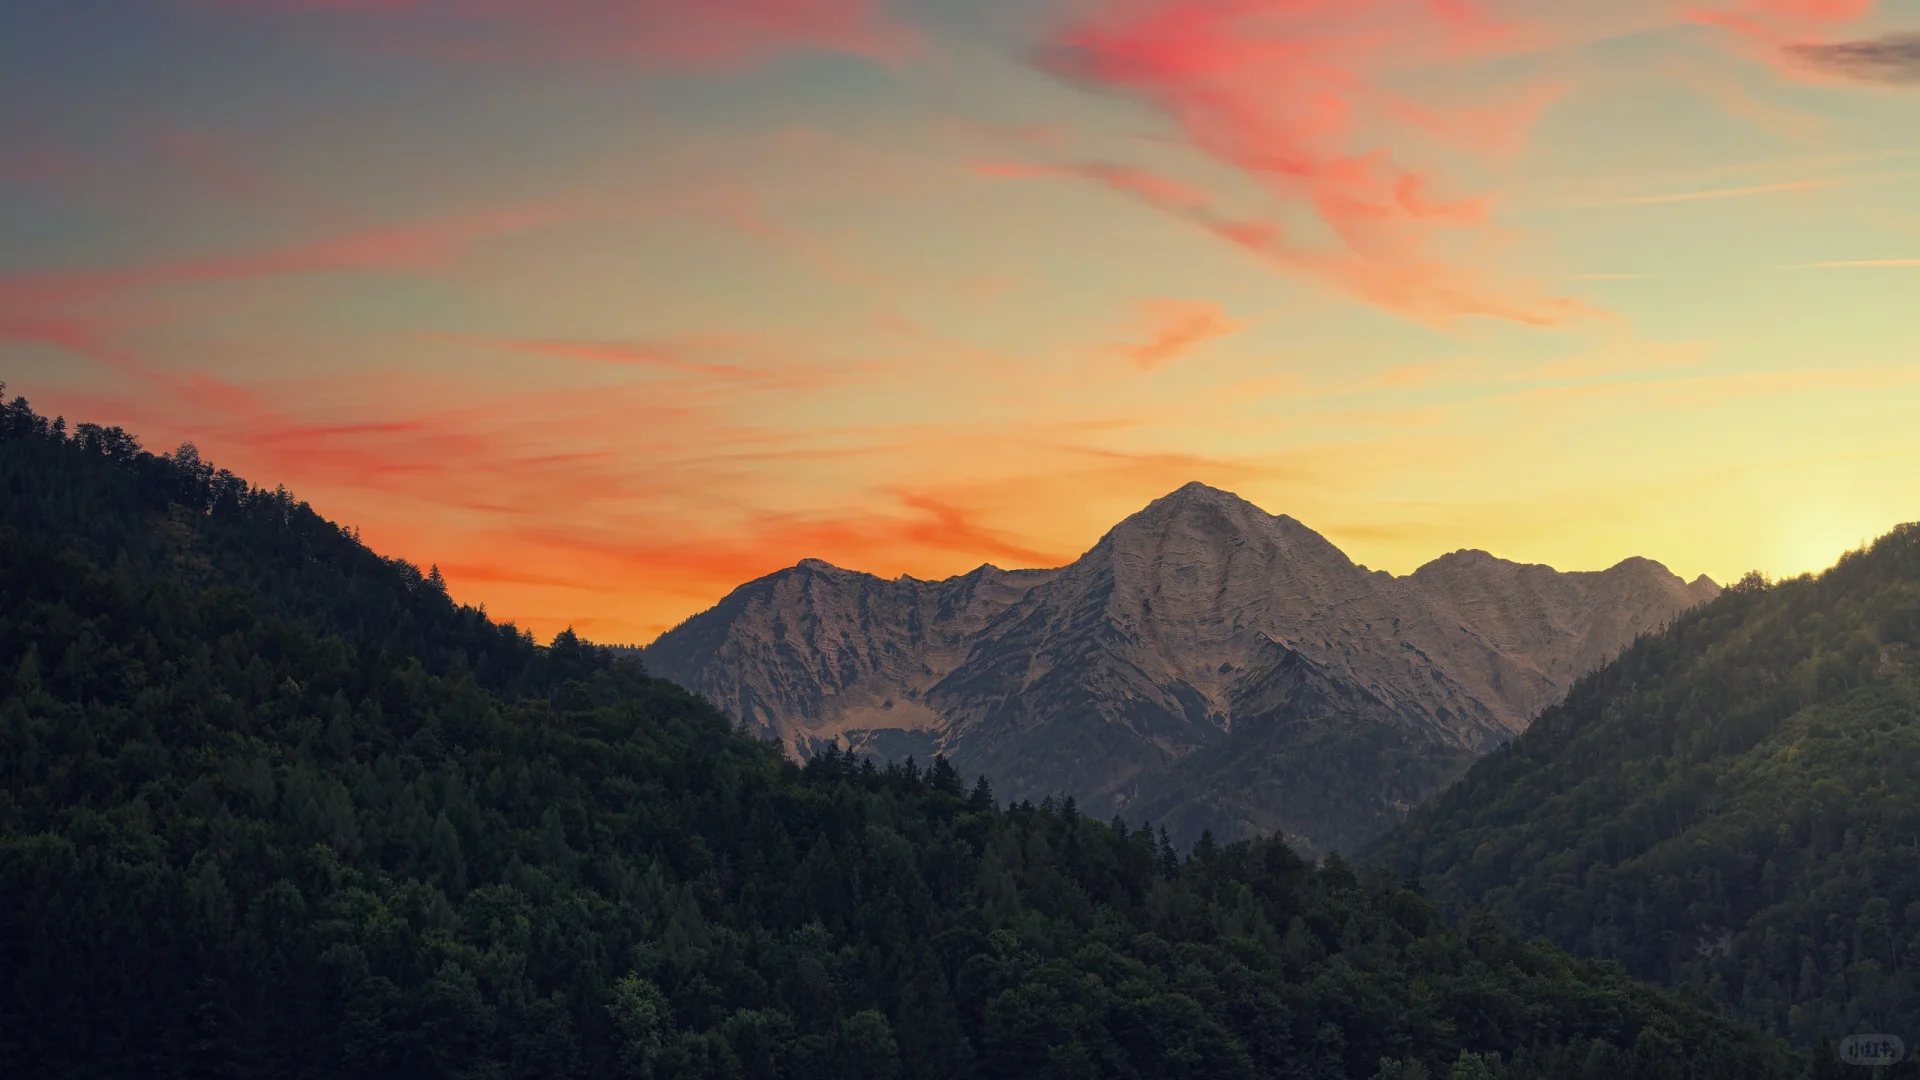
{"type": "Point", "coordinates": [1175, 328]}
{"type": "Point", "coordinates": [688, 560]}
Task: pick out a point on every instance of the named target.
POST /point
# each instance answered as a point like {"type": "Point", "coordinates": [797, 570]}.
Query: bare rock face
{"type": "Point", "coordinates": [816, 653]}
{"type": "Point", "coordinates": [1196, 621]}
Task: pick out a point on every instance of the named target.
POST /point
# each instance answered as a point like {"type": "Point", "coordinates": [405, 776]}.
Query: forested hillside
{"type": "Point", "coordinates": [239, 838]}
{"type": "Point", "coordinates": [1734, 805]}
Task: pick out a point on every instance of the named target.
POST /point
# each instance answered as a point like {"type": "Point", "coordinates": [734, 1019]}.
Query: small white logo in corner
{"type": "Point", "coordinates": [1872, 1049]}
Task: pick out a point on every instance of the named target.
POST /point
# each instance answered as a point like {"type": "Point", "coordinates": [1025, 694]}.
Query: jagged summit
{"type": "Point", "coordinates": [1200, 526]}
{"type": "Point", "coordinates": [1197, 617]}
{"type": "Point", "coordinates": [1197, 500]}
{"type": "Point", "coordinates": [1195, 493]}
{"type": "Point", "coordinates": [1202, 490]}
{"type": "Point", "coordinates": [1466, 556]}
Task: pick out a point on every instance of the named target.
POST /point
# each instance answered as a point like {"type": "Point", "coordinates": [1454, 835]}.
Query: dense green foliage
{"type": "Point", "coordinates": [1733, 805]}
{"type": "Point", "coordinates": [175, 516]}
{"type": "Point", "coordinates": [238, 842]}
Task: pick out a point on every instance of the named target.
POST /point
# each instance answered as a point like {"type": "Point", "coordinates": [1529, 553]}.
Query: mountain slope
{"type": "Point", "coordinates": [1730, 804]}
{"type": "Point", "coordinates": [1194, 617]}
{"type": "Point", "coordinates": [819, 651]}
{"type": "Point", "coordinates": [234, 846]}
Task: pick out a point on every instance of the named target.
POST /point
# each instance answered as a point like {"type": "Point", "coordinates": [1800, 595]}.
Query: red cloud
{"type": "Point", "coordinates": [678, 33]}
{"type": "Point", "coordinates": [1177, 327]}
{"type": "Point", "coordinates": [1280, 91]}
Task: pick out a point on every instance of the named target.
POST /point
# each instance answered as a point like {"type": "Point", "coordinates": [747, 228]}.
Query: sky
{"type": "Point", "coordinates": [607, 306]}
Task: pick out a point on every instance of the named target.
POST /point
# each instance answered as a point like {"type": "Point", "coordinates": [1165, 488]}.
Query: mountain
{"type": "Point", "coordinates": [1730, 805]}
{"type": "Point", "coordinates": [1190, 624]}
{"type": "Point", "coordinates": [240, 838]}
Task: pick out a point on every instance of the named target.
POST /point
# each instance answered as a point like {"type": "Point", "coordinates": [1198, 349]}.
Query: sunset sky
{"type": "Point", "coordinates": [607, 306]}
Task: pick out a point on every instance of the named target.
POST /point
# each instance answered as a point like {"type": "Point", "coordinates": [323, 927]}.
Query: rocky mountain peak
{"type": "Point", "coordinates": [1196, 505]}
{"type": "Point", "coordinates": [1467, 557]}
{"type": "Point", "coordinates": [1213, 532]}
{"type": "Point", "coordinates": [1201, 617]}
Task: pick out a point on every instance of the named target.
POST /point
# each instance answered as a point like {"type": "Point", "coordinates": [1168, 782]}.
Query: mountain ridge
{"type": "Point", "coordinates": [1198, 612]}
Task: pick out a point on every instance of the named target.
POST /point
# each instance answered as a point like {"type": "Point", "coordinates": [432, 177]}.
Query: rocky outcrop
{"type": "Point", "coordinates": [1197, 615]}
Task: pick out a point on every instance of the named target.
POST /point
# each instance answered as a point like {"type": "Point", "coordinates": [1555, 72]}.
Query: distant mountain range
{"type": "Point", "coordinates": [1206, 664]}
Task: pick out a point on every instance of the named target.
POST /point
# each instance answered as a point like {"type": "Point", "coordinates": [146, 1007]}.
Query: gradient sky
{"type": "Point", "coordinates": [606, 306]}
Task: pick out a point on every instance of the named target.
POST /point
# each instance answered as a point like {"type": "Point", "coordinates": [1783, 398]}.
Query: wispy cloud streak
{"type": "Point", "coordinates": [1860, 264]}
{"type": "Point", "coordinates": [1742, 192]}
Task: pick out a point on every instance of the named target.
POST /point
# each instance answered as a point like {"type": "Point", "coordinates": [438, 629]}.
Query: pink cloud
{"type": "Point", "coordinates": [1286, 93]}
{"type": "Point", "coordinates": [676, 33]}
